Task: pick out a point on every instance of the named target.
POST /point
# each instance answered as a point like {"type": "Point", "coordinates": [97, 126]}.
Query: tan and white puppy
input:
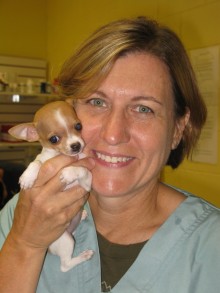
{"type": "Point", "coordinates": [57, 128]}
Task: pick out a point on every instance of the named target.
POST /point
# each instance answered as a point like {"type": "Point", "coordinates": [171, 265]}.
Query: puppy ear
{"type": "Point", "coordinates": [25, 131]}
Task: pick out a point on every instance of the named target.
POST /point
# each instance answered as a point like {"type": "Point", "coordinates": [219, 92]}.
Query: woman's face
{"type": "Point", "coordinates": [129, 125]}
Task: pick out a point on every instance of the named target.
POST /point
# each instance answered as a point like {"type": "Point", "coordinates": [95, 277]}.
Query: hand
{"type": "Point", "coordinates": [44, 211]}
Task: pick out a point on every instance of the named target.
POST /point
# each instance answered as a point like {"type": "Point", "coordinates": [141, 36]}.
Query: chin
{"type": "Point", "coordinates": [109, 188]}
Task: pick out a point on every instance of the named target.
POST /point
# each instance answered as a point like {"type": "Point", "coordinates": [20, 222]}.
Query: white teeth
{"type": "Point", "coordinates": [113, 160]}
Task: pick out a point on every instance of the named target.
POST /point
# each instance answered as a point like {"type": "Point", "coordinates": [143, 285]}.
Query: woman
{"type": "Point", "coordinates": [135, 92]}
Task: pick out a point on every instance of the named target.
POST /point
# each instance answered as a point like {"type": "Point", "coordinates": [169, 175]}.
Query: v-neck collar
{"type": "Point", "coordinates": [152, 256]}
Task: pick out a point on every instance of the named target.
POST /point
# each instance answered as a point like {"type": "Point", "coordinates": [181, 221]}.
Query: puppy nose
{"type": "Point", "coordinates": [76, 147]}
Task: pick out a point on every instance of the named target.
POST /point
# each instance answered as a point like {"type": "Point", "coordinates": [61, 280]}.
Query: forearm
{"type": "Point", "coordinates": [20, 267]}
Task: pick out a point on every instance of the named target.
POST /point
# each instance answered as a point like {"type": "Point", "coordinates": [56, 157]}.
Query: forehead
{"type": "Point", "coordinates": [139, 73]}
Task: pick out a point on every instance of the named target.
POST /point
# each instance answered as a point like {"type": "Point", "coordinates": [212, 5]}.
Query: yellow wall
{"type": "Point", "coordinates": [69, 22]}
{"type": "Point", "coordinates": [23, 28]}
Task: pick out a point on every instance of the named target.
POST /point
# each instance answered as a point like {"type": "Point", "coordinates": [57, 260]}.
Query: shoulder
{"type": "Point", "coordinates": [210, 227]}
{"type": "Point", "coordinates": [197, 217]}
{"type": "Point", "coordinates": [197, 222]}
{"type": "Point", "coordinates": [6, 218]}
{"type": "Point", "coordinates": [201, 222]}
{"type": "Point", "coordinates": [206, 213]}
{"type": "Point", "coordinates": [191, 209]}
{"type": "Point", "coordinates": [206, 248]}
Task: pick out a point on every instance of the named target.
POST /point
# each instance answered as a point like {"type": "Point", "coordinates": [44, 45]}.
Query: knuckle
{"type": "Point", "coordinates": [36, 202]}
{"type": "Point", "coordinates": [42, 208]}
{"type": "Point", "coordinates": [47, 168]}
{"type": "Point", "coordinates": [63, 218]}
{"type": "Point", "coordinates": [50, 211]}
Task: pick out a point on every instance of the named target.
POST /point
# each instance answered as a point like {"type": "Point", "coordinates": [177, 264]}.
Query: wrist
{"type": "Point", "coordinates": [23, 248]}
{"type": "Point", "coordinates": [20, 266]}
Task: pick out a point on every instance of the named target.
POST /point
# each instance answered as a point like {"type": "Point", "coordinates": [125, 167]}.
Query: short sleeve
{"type": "Point", "coordinates": [6, 219]}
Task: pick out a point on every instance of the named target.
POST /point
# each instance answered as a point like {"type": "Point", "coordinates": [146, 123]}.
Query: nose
{"type": "Point", "coordinates": [76, 147]}
{"type": "Point", "coordinates": [115, 129]}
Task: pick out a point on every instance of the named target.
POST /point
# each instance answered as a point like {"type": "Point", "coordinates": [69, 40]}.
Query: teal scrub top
{"type": "Point", "coordinates": [183, 256]}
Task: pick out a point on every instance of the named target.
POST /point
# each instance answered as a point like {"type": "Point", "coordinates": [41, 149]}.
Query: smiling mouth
{"type": "Point", "coordinates": [112, 159]}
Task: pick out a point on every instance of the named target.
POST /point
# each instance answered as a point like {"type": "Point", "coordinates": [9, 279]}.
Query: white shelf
{"type": "Point", "coordinates": [30, 94]}
{"type": "Point", "coordinates": [19, 152]}
{"type": "Point", "coordinates": [16, 111]}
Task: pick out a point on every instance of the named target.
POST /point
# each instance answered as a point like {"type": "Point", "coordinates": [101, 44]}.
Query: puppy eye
{"type": "Point", "coordinates": [78, 126]}
{"type": "Point", "coordinates": [54, 139]}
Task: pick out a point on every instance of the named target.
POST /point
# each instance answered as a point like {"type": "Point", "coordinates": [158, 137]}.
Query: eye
{"type": "Point", "coordinates": [143, 109]}
{"type": "Point", "coordinates": [54, 139]}
{"type": "Point", "coordinates": [97, 102]}
{"type": "Point", "coordinates": [78, 126]}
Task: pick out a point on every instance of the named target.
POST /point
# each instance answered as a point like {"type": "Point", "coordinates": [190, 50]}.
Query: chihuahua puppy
{"type": "Point", "coordinates": [57, 128]}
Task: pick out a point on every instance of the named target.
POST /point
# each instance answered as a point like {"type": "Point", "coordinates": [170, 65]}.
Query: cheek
{"type": "Point", "coordinates": [155, 139]}
{"type": "Point", "coordinates": [90, 130]}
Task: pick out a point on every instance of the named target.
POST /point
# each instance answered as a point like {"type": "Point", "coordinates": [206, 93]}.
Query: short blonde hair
{"type": "Point", "coordinates": [87, 68]}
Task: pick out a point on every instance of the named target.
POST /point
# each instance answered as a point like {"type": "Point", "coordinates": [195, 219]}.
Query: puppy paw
{"type": "Point", "coordinates": [85, 180]}
{"type": "Point", "coordinates": [29, 176]}
{"type": "Point", "coordinates": [66, 176]}
{"type": "Point", "coordinates": [26, 181]}
{"type": "Point", "coordinates": [69, 263]}
{"type": "Point", "coordinates": [86, 255]}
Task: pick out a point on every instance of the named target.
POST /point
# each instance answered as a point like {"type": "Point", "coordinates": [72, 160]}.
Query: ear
{"type": "Point", "coordinates": [180, 126]}
{"type": "Point", "coordinates": [25, 131]}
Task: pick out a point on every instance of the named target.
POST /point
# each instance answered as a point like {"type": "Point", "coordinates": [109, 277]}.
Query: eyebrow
{"type": "Point", "coordinates": [135, 99]}
{"type": "Point", "coordinates": [147, 98]}
{"type": "Point", "coordinates": [100, 93]}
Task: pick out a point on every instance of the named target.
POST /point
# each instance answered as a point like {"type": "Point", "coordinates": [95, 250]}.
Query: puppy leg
{"type": "Point", "coordinates": [29, 176]}
{"type": "Point", "coordinates": [63, 247]}
{"type": "Point", "coordinates": [68, 264]}
{"type": "Point", "coordinates": [81, 216]}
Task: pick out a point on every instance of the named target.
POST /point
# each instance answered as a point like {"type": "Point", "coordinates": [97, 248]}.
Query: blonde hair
{"type": "Point", "coordinates": [87, 68]}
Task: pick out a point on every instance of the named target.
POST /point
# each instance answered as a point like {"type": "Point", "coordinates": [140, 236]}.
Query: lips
{"type": "Point", "coordinates": [112, 159]}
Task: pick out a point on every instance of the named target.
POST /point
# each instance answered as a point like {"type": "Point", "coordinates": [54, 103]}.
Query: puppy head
{"type": "Point", "coordinates": [59, 128]}
{"type": "Point", "coordinates": [56, 126]}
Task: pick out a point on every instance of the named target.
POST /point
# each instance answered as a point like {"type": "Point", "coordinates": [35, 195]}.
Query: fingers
{"type": "Point", "coordinates": [50, 191]}
{"type": "Point", "coordinates": [47, 208]}
{"type": "Point", "coordinates": [41, 216]}
{"type": "Point", "coordinates": [52, 166]}
{"type": "Point", "coordinates": [53, 197]}
{"type": "Point", "coordinates": [49, 196]}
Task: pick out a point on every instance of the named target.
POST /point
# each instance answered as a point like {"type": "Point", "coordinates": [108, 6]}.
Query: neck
{"type": "Point", "coordinates": [126, 220]}
{"type": "Point", "coordinates": [135, 218]}
{"type": "Point", "coordinates": [46, 154]}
